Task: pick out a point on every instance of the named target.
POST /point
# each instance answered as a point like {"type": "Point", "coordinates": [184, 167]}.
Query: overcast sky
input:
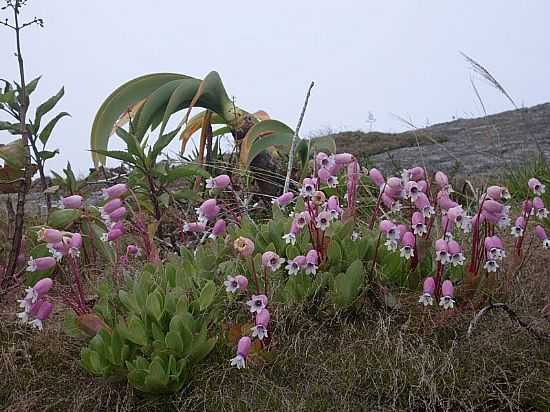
{"type": "Point", "coordinates": [388, 57]}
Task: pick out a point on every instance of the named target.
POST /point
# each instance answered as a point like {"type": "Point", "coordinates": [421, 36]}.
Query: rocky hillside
{"type": "Point", "coordinates": [469, 147]}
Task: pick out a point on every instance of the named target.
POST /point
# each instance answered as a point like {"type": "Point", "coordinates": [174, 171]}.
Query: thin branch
{"type": "Point", "coordinates": [294, 139]}
{"type": "Point", "coordinates": [513, 317]}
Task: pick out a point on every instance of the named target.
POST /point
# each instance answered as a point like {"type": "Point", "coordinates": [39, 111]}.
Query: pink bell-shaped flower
{"type": "Point", "coordinates": [40, 264]}
{"type": "Point", "coordinates": [447, 292]}
{"type": "Point", "coordinates": [194, 227]}
{"type": "Point", "coordinates": [218, 229]}
{"type": "Point", "coordinates": [536, 186]}
{"type": "Point", "coordinates": [219, 182]}
{"type": "Point", "coordinates": [111, 206]}
{"type": "Point", "coordinates": [50, 235]}
{"type": "Point", "coordinates": [377, 177]}
{"type": "Point", "coordinates": [284, 199]}
{"type": "Point", "coordinates": [115, 191]}
{"type": "Point", "coordinates": [427, 292]}
{"type": "Point", "coordinates": [257, 303]}
{"type": "Point", "coordinates": [262, 321]}
{"type": "Point", "coordinates": [71, 202]}
{"type": "Point", "coordinates": [312, 259]}
{"type": "Point", "coordinates": [272, 261]}
{"type": "Point", "coordinates": [243, 349]}
{"type": "Point", "coordinates": [208, 210]}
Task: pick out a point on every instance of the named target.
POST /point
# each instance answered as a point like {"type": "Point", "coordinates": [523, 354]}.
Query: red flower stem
{"type": "Point", "coordinates": [375, 256]}
{"type": "Point", "coordinates": [255, 276]}
{"type": "Point", "coordinates": [375, 211]}
{"type": "Point", "coordinates": [266, 282]}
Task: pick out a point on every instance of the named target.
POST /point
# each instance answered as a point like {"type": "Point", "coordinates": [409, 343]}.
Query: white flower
{"type": "Point", "coordinates": [311, 269]}
{"type": "Point", "coordinates": [292, 268]}
{"type": "Point", "coordinates": [491, 266]}
{"type": "Point", "coordinates": [355, 236]}
{"type": "Point", "coordinates": [542, 213]}
{"type": "Point", "coordinates": [517, 231]}
{"type": "Point", "coordinates": [231, 284]}
{"type": "Point", "coordinates": [391, 245]}
{"type": "Point", "coordinates": [428, 211]}
{"type": "Point", "coordinates": [546, 244]}
{"type": "Point", "coordinates": [447, 302]}
{"type": "Point", "coordinates": [259, 331]}
{"type": "Point", "coordinates": [323, 222]}
{"type": "Point", "coordinates": [448, 236]}
{"type": "Point", "coordinates": [443, 257]}
{"type": "Point", "coordinates": [496, 254]}
{"type": "Point", "coordinates": [407, 252]}
{"type": "Point", "coordinates": [238, 361]}
{"type": "Point", "coordinates": [504, 222]}
{"type": "Point", "coordinates": [332, 181]}
{"type": "Point", "coordinates": [55, 253]}
{"type": "Point", "coordinates": [458, 259]}
{"type": "Point", "coordinates": [31, 265]}
{"type": "Point", "coordinates": [36, 323]}
{"type": "Point", "coordinates": [420, 229]}
{"type": "Point", "coordinates": [290, 238]}
{"type": "Point", "coordinates": [256, 305]}
{"type": "Point", "coordinates": [426, 299]}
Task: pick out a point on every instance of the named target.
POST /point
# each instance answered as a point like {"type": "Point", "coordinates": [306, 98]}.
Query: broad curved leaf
{"type": "Point", "coordinates": [263, 135]}
{"type": "Point", "coordinates": [194, 124]}
{"type": "Point", "coordinates": [157, 102]}
{"type": "Point", "coordinates": [119, 102]}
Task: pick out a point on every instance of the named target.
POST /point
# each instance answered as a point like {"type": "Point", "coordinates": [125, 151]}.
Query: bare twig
{"type": "Point", "coordinates": [23, 188]}
{"type": "Point", "coordinates": [513, 317]}
{"type": "Point", "coordinates": [294, 138]}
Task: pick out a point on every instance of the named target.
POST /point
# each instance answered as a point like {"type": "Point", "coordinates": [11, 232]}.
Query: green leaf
{"type": "Point", "coordinates": [13, 154]}
{"type": "Point", "coordinates": [348, 285]}
{"type": "Point", "coordinates": [334, 253]}
{"type": "Point", "coordinates": [154, 305]}
{"type": "Point", "coordinates": [13, 128]}
{"type": "Point", "coordinates": [155, 103]}
{"type": "Point", "coordinates": [186, 194]}
{"type": "Point", "coordinates": [157, 377]}
{"type": "Point", "coordinates": [48, 154]}
{"type": "Point", "coordinates": [186, 171]}
{"type": "Point", "coordinates": [207, 295]}
{"type": "Point", "coordinates": [160, 144]}
{"type": "Point", "coordinates": [118, 154]}
{"type": "Point", "coordinates": [132, 143]}
{"type": "Point", "coordinates": [63, 218]}
{"type": "Point", "coordinates": [47, 131]}
{"type": "Point", "coordinates": [118, 102]}
{"type": "Point", "coordinates": [46, 107]}
{"type": "Point", "coordinates": [263, 135]}
{"type": "Point", "coordinates": [292, 252]}
{"type": "Point", "coordinates": [31, 86]}
{"type": "Point", "coordinates": [180, 98]}
{"type": "Point", "coordinates": [174, 342]}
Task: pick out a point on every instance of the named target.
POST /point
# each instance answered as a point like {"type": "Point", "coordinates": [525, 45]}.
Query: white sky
{"type": "Point", "coordinates": [388, 57]}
